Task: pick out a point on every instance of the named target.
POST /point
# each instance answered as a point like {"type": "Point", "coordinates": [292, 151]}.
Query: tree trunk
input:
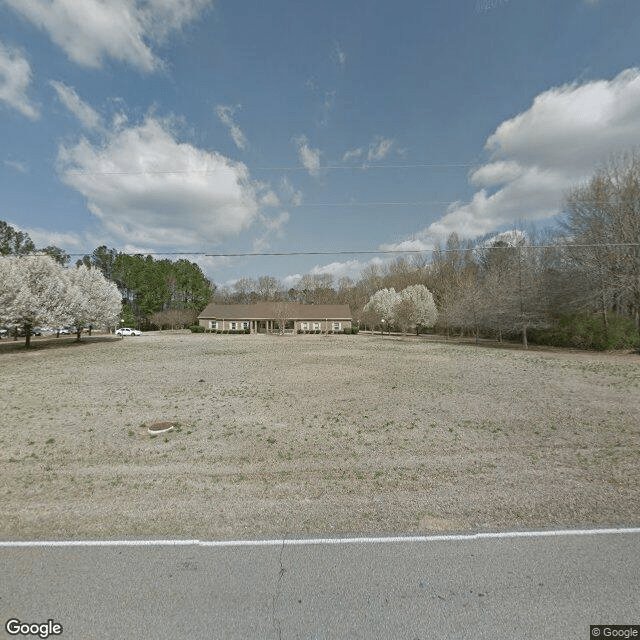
{"type": "Point", "coordinates": [525, 343]}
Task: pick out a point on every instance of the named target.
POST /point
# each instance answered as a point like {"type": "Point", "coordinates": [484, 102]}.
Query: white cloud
{"type": "Point", "coordinates": [15, 77]}
{"type": "Point", "coordinates": [482, 6]}
{"type": "Point", "coordinates": [327, 107]}
{"type": "Point", "coordinates": [540, 154]}
{"type": "Point", "coordinates": [88, 117]}
{"type": "Point", "coordinates": [413, 244]}
{"type": "Point", "coordinates": [68, 241]}
{"type": "Point", "coordinates": [290, 193]}
{"type": "Point", "coordinates": [338, 55]}
{"type": "Point", "coordinates": [269, 199]}
{"type": "Point", "coordinates": [276, 224]}
{"type": "Point", "coordinates": [272, 226]}
{"type": "Point", "coordinates": [225, 114]}
{"type": "Point", "coordinates": [379, 148]}
{"type": "Point", "coordinates": [496, 173]}
{"type": "Point", "coordinates": [309, 157]}
{"type": "Point", "coordinates": [261, 244]}
{"type": "Point", "coordinates": [147, 187]}
{"type": "Point", "coordinates": [291, 281]}
{"type": "Point", "coordinates": [15, 165]}
{"type": "Point", "coordinates": [352, 154]}
{"type": "Point", "coordinates": [91, 30]}
{"type": "Point", "coordinates": [338, 269]}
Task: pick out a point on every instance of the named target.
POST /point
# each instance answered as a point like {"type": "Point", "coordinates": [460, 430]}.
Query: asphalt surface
{"type": "Point", "coordinates": [512, 587]}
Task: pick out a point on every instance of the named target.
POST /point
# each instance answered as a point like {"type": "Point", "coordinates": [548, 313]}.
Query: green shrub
{"type": "Point", "coordinates": [196, 328]}
{"type": "Point", "coordinates": [588, 331]}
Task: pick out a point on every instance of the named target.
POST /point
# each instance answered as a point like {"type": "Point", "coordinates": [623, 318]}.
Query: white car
{"type": "Point", "coordinates": [127, 331]}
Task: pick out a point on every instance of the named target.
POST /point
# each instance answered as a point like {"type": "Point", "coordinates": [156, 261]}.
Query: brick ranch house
{"type": "Point", "coordinates": [266, 317]}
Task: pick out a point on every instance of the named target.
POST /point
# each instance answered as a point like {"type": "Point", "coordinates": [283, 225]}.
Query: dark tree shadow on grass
{"type": "Point", "coordinates": [9, 345]}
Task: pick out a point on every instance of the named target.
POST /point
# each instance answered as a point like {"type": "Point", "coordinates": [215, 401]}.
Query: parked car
{"type": "Point", "coordinates": [63, 331]}
{"type": "Point", "coordinates": [127, 331]}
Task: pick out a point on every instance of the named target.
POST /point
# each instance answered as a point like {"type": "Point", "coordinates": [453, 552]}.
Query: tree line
{"type": "Point", "coordinates": [576, 285]}
{"type": "Point", "coordinates": [155, 293]}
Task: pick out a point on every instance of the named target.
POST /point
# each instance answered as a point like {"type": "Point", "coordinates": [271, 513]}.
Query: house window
{"type": "Point", "coordinates": [234, 326]}
{"type": "Point", "coordinates": [316, 326]}
{"type": "Point", "coordinates": [304, 326]}
{"type": "Point", "coordinates": [213, 324]}
{"type": "Point", "coordinates": [245, 325]}
{"type": "Point", "coordinates": [337, 326]}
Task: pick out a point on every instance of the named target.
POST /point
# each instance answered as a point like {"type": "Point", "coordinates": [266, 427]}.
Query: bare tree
{"type": "Point", "coordinates": [174, 318]}
{"type": "Point", "coordinates": [268, 288]}
{"type": "Point", "coordinates": [603, 233]}
{"type": "Point", "coordinates": [243, 288]}
{"type": "Point", "coordinates": [282, 316]}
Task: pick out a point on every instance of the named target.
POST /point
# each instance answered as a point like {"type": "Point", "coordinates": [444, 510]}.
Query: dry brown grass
{"type": "Point", "coordinates": [312, 435]}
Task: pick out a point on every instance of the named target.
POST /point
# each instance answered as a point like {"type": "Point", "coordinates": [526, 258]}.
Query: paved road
{"type": "Point", "coordinates": [493, 588]}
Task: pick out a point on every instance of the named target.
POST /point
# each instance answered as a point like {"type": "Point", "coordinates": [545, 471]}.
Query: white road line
{"type": "Point", "coordinates": [292, 542]}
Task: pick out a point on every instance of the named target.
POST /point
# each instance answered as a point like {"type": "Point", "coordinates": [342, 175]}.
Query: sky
{"type": "Point", "coordinates": [195, 128]}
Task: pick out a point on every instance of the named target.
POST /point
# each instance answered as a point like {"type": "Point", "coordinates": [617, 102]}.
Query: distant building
{"type": "Point", "coordinates": [276, 317]}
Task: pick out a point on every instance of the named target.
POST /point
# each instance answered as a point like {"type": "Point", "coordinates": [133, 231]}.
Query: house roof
{"type": "Point", "coordinates": [272, 310]}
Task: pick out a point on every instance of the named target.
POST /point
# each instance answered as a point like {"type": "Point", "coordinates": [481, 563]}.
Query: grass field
{"type": "Point", "coordinates": [312, 435]}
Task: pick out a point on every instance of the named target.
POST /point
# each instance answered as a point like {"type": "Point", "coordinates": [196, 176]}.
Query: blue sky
{"type": "Point", "coordinates": [346, 125]}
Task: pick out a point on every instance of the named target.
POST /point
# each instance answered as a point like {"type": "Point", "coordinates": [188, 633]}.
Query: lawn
{"type": "Point", "coordinates": [314, 435]}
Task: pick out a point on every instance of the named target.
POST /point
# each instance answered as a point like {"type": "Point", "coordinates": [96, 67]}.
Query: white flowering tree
{"type": "Point", "coordinates": [380, 309]}
{"type": "Point", "coordinates": [92, 299]}
{"type": "Point", "coordinates": [9, 288]}
{"type": "Point", "coordinates": [415, 308]}
{"type": "Point", "coordinates": [34, 290]}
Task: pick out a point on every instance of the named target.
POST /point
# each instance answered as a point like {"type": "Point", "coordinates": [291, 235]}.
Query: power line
{"type": "Point", "coordinates": [330, 167]}
{"type": "Point", "coordinates": [373, 204]}
{"type": "Point", "coordinates": [356, 252]}
{"type": "Point", "coordinates": [424, 250]}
